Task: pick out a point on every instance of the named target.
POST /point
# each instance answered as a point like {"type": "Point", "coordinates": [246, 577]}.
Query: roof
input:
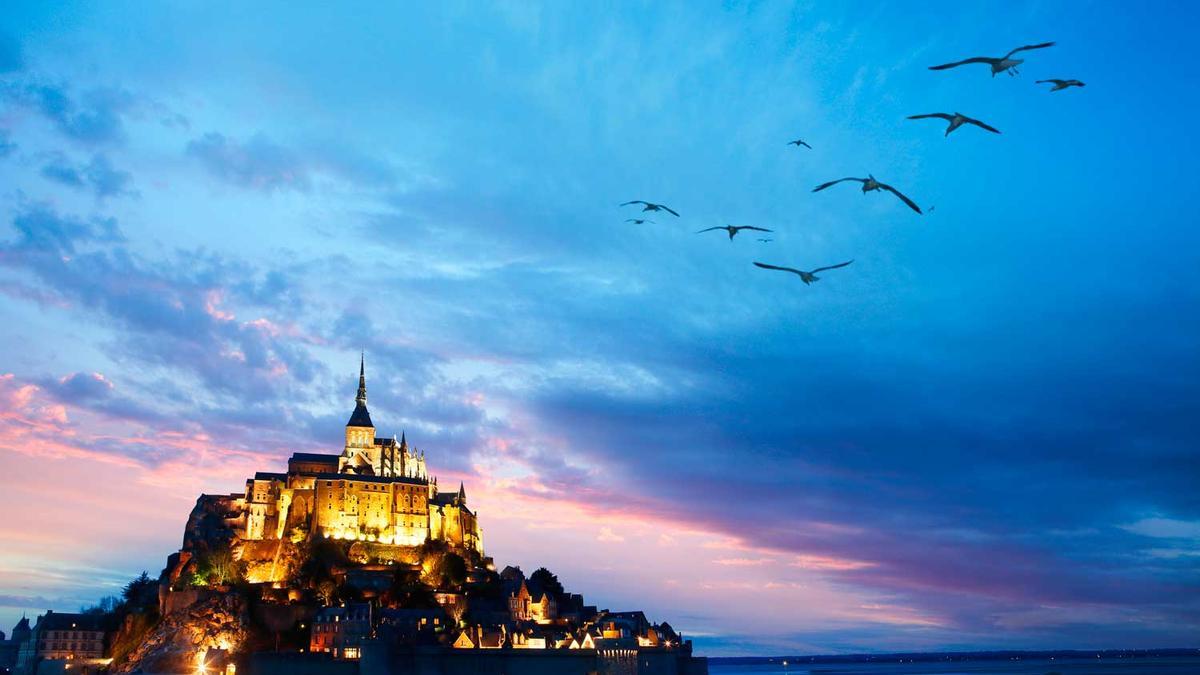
{"type": "Point", "coordinates": [267, 475]}
{"type": "Point", "coordinates": [360, 417]}
{"type": "Point", "coordinates": [57, 621]}
{"type": "Point", "coordinates": [370, 479]}
{"type": "Point", "coordinates": [314, 457]}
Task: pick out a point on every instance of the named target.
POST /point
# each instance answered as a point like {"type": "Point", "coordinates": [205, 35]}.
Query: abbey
{"type": "Point", "coordinates": [377, 490]}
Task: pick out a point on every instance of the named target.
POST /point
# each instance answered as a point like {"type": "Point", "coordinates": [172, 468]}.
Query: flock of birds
{"type": "Point", "coordinates": [1003, 64]}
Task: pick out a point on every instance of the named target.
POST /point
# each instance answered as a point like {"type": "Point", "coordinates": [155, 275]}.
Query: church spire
{"type": "Point", "coordinates": [462, 494]}
{"type": "Point", "coordinates": [361, 399]}
{"type": "Point", "coordinates": [360, 417]}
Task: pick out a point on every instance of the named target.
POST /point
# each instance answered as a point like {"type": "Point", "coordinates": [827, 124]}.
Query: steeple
{"type": "Point", "coordinates": [461, 498]}
{"type": "Point", "coordinates": [361, 399]}
{"type": "Point", "coordinates": [360, 417]}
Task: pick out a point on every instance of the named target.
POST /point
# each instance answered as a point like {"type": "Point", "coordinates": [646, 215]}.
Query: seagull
{"type": "Point", "coordinates": [956, 120]}
{"type": "Point", "coordinates": [734, 229]}
{"type": "Point", "coordinates": [806, 277]}
{"type": "Point", "coordinates": [1059, 85]}
{"type": "Point", "coordinates": [766, 241]}
{"type": "Point", "coordinates": [799, 142]}
{"type": "Point", "coordinates": [651, 206]}
{"type": "Point", "coordinates": [999, 65]}
{"type": "Point", "coordinates": [869, 184]}
{"type": "Point", "coordinates": [638, 221]}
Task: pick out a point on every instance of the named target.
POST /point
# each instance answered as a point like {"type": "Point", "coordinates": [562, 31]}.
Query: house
{"type": "Point", "coordinates": [339, 631]}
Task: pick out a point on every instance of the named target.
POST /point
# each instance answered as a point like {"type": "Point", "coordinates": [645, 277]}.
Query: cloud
{"type": "Point", "coordinates": [11, 59]}
{"type": "Point", "coordinates": [262, 164]}
{"type": "Point", "coordinates": [98, 175]}
{"type": "Point", "coordinates": [1165, 528]}
{"type": "Point", "coordinates": [95, 117]}
{"type": "Point", "coordinates": [7, 147]}
{"type": "Point", "coordinates": [257, 164]}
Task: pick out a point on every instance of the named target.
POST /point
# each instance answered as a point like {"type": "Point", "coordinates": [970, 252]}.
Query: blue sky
{"type": "Point", "coordinates": [981, 434]}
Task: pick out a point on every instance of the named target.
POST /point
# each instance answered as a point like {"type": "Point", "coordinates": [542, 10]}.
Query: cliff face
{"type": "Point", "coordinates": [175, 644]}
{"type": "Point", "coordinates": [212, 522]}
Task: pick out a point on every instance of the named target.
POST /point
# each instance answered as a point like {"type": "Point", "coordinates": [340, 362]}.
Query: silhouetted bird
{"type": "Point", "coordinates": [766, 240]}
{"type": "Point", "coordinates": [1059, 85]}
{"type": "Point", "coordinates": [806, 277]}
{"type": "Point", "coordinates": [799, 142]}
{"type": "Point", "coordinates": [638, 221]}
{"type": "Point", "coordinates": [956, 120]}
{"type": "Point", "coordinates": [999, 65]}
{"type": "Point", "coordinates": [869, 184]}
{"type": "Point", "coordinates": [651, 206]}
{"type": "Point", "coordinates": [734, 229]}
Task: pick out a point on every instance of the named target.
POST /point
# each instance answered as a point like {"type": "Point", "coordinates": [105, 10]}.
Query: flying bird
{"type": "Point", "coordinates": [806, 277]}
{"type": "Point", "coordinates": [956, 120]}
{"type": "Point", "coordinates": [638, 221]}
{"type": "Point", "coordinates": [1059, 85]}
{"type": "Point", "coordinates": [734, 229]}
{"type": "Point", "coordinates": [766, 241]}
{"type": "Point", "coordinates": [651, 206]}
{"type": "Point", "coordinates": [1005, 63]}
{"type": "Point", "coordinates": [870, 184]}
{"type": "Point", "coordinates": [799, 142]}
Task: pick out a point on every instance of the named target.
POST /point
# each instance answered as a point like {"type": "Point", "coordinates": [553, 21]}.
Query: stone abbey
{"type": "Point", "coordinates": [377, 490]}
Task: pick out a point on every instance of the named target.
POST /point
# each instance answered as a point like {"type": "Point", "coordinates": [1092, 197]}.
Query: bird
{"type": "Point", "coordinates": [1059, 85]}
{"type": "Point", "coordinates": [651, 206]}
{"type": "Point", "coordinates": [869, 184]}
{"type": "Point", "coordinates": [799, 142]}
{"type": "Point", "coordinates": [766, 241]}
{"type": "Point", "coordinates": [1005, 63]}
{"type": "Point", "coordinates": [638, 221]}
{"type": "Point", "coordinates": [806, 277]}
{"type": "Point", "coordinates": [956, 120]}
{"type": "Point", "coordinates": [734, 229]}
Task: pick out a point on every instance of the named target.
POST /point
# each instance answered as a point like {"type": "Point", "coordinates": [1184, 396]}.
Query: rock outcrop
{"type": "Point", "coordinates": [175, 644]}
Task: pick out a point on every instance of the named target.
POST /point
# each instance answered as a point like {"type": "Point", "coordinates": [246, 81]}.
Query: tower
{"type": "Point", "coordinates": [360, 454]}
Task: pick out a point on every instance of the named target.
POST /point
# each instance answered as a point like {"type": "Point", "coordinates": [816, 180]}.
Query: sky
{"type": "Point", "coordinates": [981, 434]}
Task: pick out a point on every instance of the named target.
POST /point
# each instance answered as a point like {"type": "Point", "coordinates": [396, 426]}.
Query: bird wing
{"type": "Point", "coordinates": [710, 229]}
{"type": "Point", "coordinates": [822, 186]}
{"type": "Point", "coordinates": [636, 201]}
{"type": "Point", "coordinates": [830, 267]}
{"type": "Point", "coordinates": [981, 125]}
{"type": "Point", "coordinates": [751, 227]}
{"type": "Point", "coordinates": [973, 59]}
{"type": "Point", "coordinates": [804, 144]}
{"type": "Point", "coordinates": [911, 204]}
{"type": "Point", "coordinates": [1021, 49]}
{"type": "Point", "coordinates": [668, 210]}
{"type": "Point", "coordinates": [1049, 82]}
{"type": "Point", "coordinates": [943, 116]}
{"type": "Point", "coordinates": [765, 266]}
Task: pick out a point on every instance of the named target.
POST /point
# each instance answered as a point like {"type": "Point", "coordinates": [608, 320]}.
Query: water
{"type": "Point", "coordinates": [1157, 665]}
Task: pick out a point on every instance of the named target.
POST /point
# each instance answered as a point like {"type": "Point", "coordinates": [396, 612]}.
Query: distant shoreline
{"type": "Point", "coordinates": [932, 657]}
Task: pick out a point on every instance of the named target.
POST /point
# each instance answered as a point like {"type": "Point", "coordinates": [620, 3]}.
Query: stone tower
{"type": "Point", "coordinates": [360, 456]}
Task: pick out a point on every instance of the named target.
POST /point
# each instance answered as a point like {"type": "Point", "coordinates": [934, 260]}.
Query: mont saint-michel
{"type": "Point", "coordinates": [344, 563]}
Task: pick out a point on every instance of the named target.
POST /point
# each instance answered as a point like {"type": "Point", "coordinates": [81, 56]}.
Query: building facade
{"type": "Point", "coordinates": [376, 490]}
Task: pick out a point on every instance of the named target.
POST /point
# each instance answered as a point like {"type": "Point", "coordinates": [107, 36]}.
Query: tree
{"type": "Point", "coordinates": [547, 580]}
{"type": "Point", "coordinates": [326, 590]}
{"type": "Point", "coordinates": [453, 569]}
{"type": "Point", "coordinates": [141, 594]}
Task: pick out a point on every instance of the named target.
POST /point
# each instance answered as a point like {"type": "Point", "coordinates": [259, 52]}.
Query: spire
{"type": "Point", "coordinates": [403, 441]}
{"type": "Point", "coordinates": [360, 417]}
{"type": "Point", "coordinates": [462, 494]}
{"type": "Point", "coordinates": [361, 399]}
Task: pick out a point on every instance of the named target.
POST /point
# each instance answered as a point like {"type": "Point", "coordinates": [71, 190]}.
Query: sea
{"type": "Point", "coordinates": [1154, 665]}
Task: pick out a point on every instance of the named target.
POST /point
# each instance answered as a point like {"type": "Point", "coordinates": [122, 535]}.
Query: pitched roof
{"type": "Point", "coordinates": [360, 417]}
{"type": "Point", "coordinates": [60, 621]}
{"type": "Point", "coordinates": [314, 457]}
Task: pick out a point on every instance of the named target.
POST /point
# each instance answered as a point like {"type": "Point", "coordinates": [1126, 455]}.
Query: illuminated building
{"type": "Point", "coordinates": [376, 490]}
